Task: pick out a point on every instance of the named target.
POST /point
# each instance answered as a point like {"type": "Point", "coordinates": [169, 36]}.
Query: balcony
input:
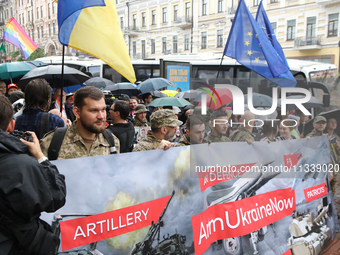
{"type": "Point", "coordinates": [307, 43]}
{"type": "Point", "coordinates": [231, 10]}
{"type": "Point", "coordinates": [183, 22]}
{"type": "Point", "coordinates": [132, 31]}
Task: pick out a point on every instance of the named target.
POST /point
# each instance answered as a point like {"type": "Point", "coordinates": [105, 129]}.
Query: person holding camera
{"type": "Point", "coordinates": [29, 185]}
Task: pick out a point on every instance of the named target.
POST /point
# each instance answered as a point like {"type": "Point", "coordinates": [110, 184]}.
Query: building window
{"type": "Point", "coordinates": [143, 19]}
{"type": "Point", "coordinates": [274, 26]}
{"type": "Point", "coordinates": [134, 21]}
{"type": "Point", "coordinates": [20, 19]}
{"type": "Point", "coordinates": [220, 5]}
{"type": "Point", "coordinates": [49, 30]}
{"type": "Point", "coordinates": [220, 38]}
{"type": "Point", "coordinates": [204, 7]}
{"type": "Point", "coordinates": [164, 11]}
{"type": "Point", "coordinates": [203, 40]}
{"type": "Point", "coordinates": [274, 1]}
{"type": "Point", "coordinates": [53, 8]}
{"type": "Point", "coordinates": [134, 49]}
{"type": "Point", "coordinates": [38, 33]}
{"type": "Point", "coordinates": [41, 12]}
{"type": "Point", "coordinates": [23, 18]}
{"type": "Point", "coordinates": [187, 11]}
{"type": "Point", "coordinates": [29, 16]}
{"type": "Point", "coordinates": [49, 10]}
{"type": "Point", "coordinates": [333, 20]}
{"type": "Point", "coordinates": [153, 17]}
{"type": "Point", "coordinates": [311, 21]}
{"type": "Point", "coordinates": [122, 22]}
{"type": "Point", "coordinates": [42, 32]}
{"type": "Point", "coordinates": [37, 12]}
{"type": "Point", "coordinates": [163, 44]}
{"type": "Point", "coordinates": [256, 2]}
{"type": "Point", "coordinates": [175, 12]}
{"type": "Point", "coordinates": [291, 29]}
{"type": "Point", "coordinates": [53, 28]}
{"type": "Point", "coordinates": [153, 46]}
{"type": "Point", "coordinates": [186, 42]}
{"type": "Point", "coordinates": [143, 49]}
{"type": "Point", "coordinates": [174, 44]}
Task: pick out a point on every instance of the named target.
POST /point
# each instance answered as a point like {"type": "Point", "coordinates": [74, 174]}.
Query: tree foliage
{"type": "Point", "coordinates": [38, 53]}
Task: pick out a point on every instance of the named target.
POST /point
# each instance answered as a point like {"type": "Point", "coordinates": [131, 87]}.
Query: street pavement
{"type": "Point", "coordinates": [334, 247]}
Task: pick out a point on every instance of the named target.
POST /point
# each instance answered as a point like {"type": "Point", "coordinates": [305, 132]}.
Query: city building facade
{"type": "Point", "coordinates": [306, 29]}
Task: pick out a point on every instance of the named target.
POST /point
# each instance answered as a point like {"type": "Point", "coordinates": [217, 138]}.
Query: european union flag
{"type": "Point", "coordinates": [92, 26]}
{"type": "Point", "coordinates": [263, 21]}
{"type": "Point", "coordinates": [248, 44]}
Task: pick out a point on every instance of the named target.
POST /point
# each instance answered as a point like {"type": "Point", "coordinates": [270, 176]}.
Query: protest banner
{"type": "Point", "coordinates": [278, 200]}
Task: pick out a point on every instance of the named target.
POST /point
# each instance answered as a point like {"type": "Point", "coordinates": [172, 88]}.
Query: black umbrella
{"type": "Point", "coordinates": [99, 82]}
{"type": "Point", "coordinates": [118, 89]}
{"type": "Point", "coordinates": [52, 73]}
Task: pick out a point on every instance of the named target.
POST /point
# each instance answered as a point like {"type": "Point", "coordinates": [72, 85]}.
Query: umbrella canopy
{"type": "Point", "coordinates": [119, 88]}
{"type": "Point", "coordinates": [157, 93]}
{"type": "Point", "coordinates": [313, 102]}
{"type": "Point", "coordinates": [99, 82]}
{"type": "Point", "coordinates": [222, 97]}
{"type": "Point", "coordinates": [188, 94]}
{"type": "Point", "coordinates": [12, 70]}
{"type": "Point", "coordinates": [170, 93]}
{"type": "Point", "coordinates": [52, 73]}
{"type": "Point", "coordinates": [169, 101]}
{"type": "Point", "coordinates": [153, 84]}
{"type": "Point", "coordinates": [259, 100]}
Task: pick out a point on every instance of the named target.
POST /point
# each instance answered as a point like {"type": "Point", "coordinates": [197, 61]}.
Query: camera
{"type": "Point", "coordinates": [24, 135]}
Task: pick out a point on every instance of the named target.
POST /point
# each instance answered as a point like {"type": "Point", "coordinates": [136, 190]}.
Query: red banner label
{"type": "Point", "coordinates": [315, 192]}
{"type": "Point", "coordinates": [214, 175]}
{"type": "Point", "coordinates": [241, 217]}
{"type": "Point", "coordinates": [291, 160]}
{"type": "Point", "coordinates": [82, 231]}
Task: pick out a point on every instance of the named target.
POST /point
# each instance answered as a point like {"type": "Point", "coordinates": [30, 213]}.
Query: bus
{"type": "Point", "coordinates": [318, 77]}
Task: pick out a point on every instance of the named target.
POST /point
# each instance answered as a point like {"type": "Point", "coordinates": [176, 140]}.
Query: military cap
{"type": "Point", "coordinates": [124, 97]}
{"type": "Point", "coordinates": [164, 118]}
{"type": "Point", "coordinates": [319, 118]}
{"type": "Point", "coordinates": [140, 108]}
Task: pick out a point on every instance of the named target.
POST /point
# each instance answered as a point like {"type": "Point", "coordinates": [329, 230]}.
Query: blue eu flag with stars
{"type": "Point", "coordinates": [250, 46]}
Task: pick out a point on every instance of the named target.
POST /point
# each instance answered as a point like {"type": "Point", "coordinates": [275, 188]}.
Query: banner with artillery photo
{"type": "Point", "coordinates": [222, 198]}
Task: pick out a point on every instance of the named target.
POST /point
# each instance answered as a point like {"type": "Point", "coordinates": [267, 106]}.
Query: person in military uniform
{"type": "Point", "coordinates": [334, 141]}
{"type": "Point", "coordinates": [244, 131]}
{"type": "Point", "coordinates": [319, 125]}
{"type": "Point", "coordinates": [195, 130]}
{"type": "Point", "coordinates": [219, 127]}
{"type": "Point", "coordinates": [84, 138]}
{"type": "Point", "coordinates": [140, 116]}
{"type": "Point", "coordinates": [163, 127]}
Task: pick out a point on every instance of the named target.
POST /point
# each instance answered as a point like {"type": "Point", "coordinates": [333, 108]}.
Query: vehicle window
{"type": "Point", "coordinates": [94, 70]}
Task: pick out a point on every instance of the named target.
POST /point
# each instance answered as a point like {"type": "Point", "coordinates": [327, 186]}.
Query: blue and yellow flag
{"type": "Point", "coordinates": [248, 44]}
{"type": "Point", "coordinates": [92, 26]}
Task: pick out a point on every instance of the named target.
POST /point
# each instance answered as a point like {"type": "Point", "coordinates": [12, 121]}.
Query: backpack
{"type": "Point", "coordinates": [44, 124]}
{"type": "Point", "coordinates": [58, 137]}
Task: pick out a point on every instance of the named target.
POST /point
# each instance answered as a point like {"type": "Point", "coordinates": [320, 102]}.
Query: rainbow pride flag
{"type": "Point", "coordinates": [17, 36]}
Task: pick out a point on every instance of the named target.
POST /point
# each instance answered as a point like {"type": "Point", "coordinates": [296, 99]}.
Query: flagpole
{"type": "Point", "coordinates": [62, 80]}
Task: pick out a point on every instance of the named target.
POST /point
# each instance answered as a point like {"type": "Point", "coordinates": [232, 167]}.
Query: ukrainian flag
{"type": "Point", "coordinates": [92, 26]}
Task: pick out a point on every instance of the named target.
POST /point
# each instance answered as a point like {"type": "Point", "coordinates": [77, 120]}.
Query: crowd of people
{"type": "Point", "coordinates": [82, 125]}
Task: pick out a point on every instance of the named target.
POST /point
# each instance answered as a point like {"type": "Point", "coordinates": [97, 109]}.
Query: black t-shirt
{"type": "Point", "coordinates": [125, 132]}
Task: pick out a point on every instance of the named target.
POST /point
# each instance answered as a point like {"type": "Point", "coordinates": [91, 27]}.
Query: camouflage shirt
{"type": "Point", "coordinates": [241, 134]}
{"type": "Point", "coordinates": [216, 139]}
{"type": "Point", "coordinates": [73, 145]}
{"type": "Point", "coordinates": [185, 140]}
{"type": "Point", "coordinates": [139, 123]}
{"type": "Point", "coordinates": [150, 142]}
{"type": "Point", "coordinates": [314, 133]}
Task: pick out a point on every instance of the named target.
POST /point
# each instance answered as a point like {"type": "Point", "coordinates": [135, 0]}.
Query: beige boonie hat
{"type": "Point", "coordinates": [319, 118]}
{"type": "Point", "coordinates": [164, 118]}
{"type": "Point", "coordinates": [140, 108]}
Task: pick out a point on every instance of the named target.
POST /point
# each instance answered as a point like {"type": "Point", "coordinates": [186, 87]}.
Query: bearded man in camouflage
{"type": "Point", "coordinates": [163, 128]}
